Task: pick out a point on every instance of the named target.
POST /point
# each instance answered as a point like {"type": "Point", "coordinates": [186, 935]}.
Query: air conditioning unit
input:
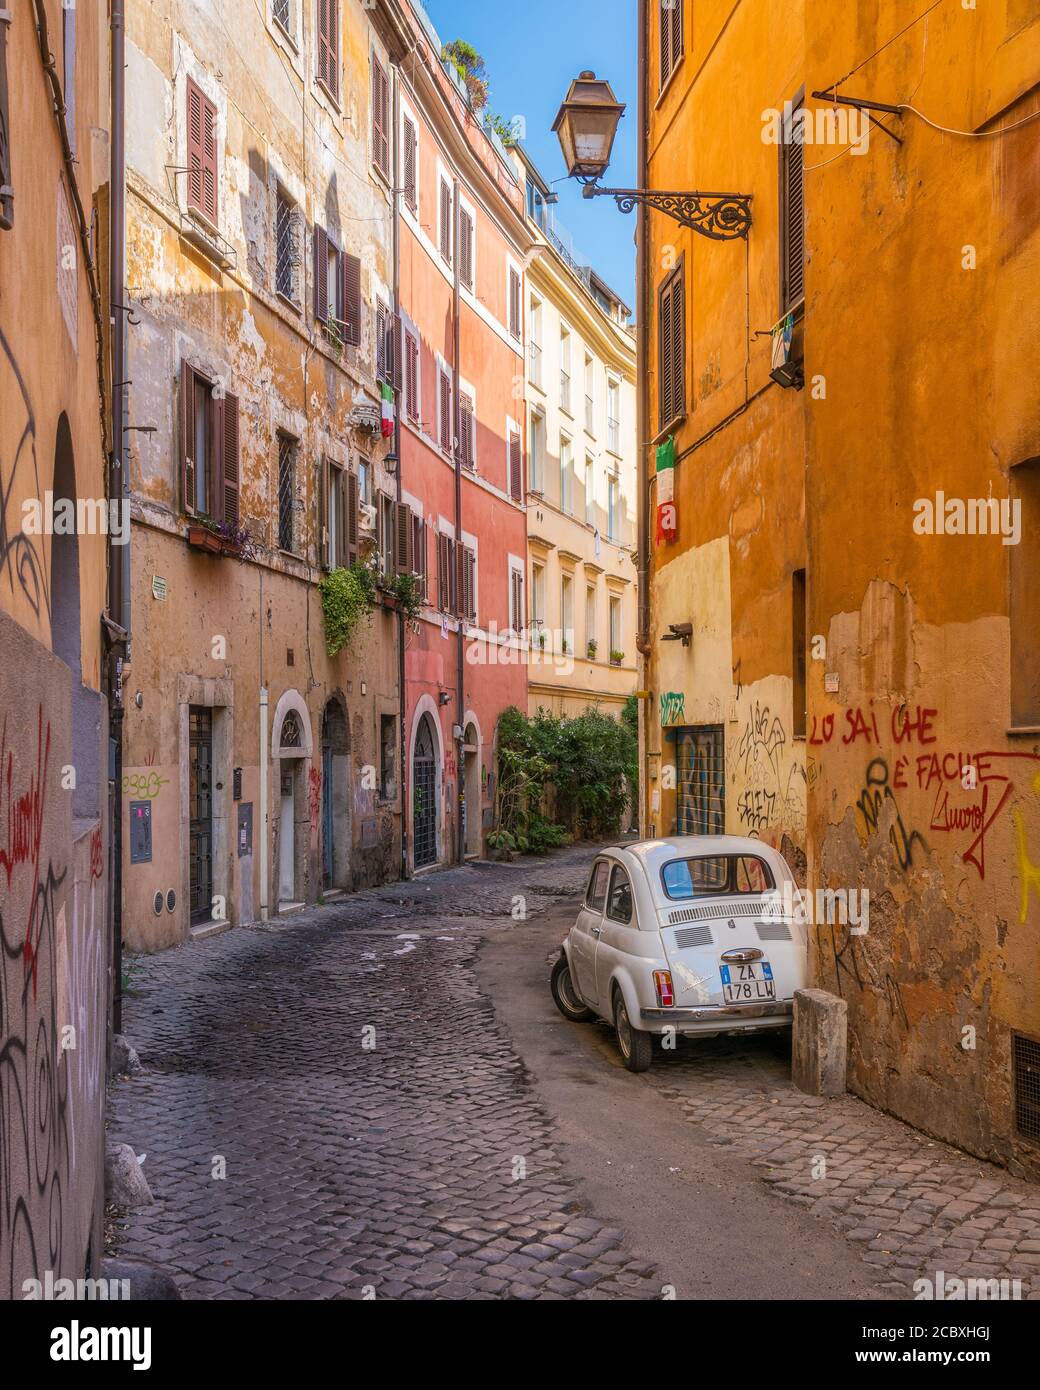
{"type": "Point", "coordinates": [367, 518]}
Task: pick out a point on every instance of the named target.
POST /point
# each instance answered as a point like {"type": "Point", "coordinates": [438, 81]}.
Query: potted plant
{"type": "Point", "coordinates": [203, 534]}
{"type": "Point", "coordinates": [616, 657]}
{"type": "Point", "coordinates": [593, 647]}
{"type": "Point", "coordinates": [564, 647]}
{"type": "Point", "coordinates": [541, 638]}
{"type": "Point", "coordinates": [347, 598]}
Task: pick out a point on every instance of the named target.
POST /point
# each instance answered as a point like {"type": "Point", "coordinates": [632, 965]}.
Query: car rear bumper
{"type": "Point", "coordinates": [721, 1016]}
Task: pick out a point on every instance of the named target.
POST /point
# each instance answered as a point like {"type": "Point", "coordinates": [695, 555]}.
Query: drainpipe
{"type": "Point", "coordinates": [261, 829]}
{"type": "Point", "coordinates": [118, 556]}
{"type": "Point", "coordinates": [460, 653]}
{"type": "Point", "coordinates": [642, 469]}
{"type": "Point", "coordinates": [395, 194]}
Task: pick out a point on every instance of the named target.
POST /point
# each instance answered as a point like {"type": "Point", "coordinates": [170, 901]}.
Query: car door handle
{"type": "Point", "coordinates": [596, 931]}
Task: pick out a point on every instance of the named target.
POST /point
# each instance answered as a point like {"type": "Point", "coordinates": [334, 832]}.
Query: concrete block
{"type": "Point", "coordinates": [819, 1051]}
{"type": "Point", "coordinates": [125, 1182]}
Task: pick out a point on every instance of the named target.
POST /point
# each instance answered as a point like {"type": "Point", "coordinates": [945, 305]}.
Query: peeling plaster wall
{"type": "Point", "coordinates": [275, 126]}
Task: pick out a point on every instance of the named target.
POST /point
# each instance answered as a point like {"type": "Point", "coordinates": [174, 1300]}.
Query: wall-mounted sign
{"type": "Point", "coordinates": [159, 590]}
{"type": "Point", "coordinates": [140, 832]}
{"type": "Point", "coordinates": [831, 682]}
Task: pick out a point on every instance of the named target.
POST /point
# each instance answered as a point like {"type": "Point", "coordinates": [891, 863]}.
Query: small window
{"type": "Point", "coordinates": [282, 12]}
{"type": "Point", "coordinates": [286, 250]}
{"type": "Point", "coordinates": [411, 363]}
{"type": "Point", "coordinates": [517, 615]}
{"type": "Point", "coordinates": [716, 874]}
{"type": "Point", "coordinates": [380, 118]}
{"type": "Point", "coordinates": [596, 896]}
{"type": "Point", "coordinates": [515, 311]}
{"type": "Point", "coordinates": [671, 30]}
{"type": "Point", "coordinates": [328, 45]}
{"type": "Point", "coordinates": [619, 902]}
{"type": "Point", "coordinates": [387, 756]}
{"type": "Point", "coordinates": [202, 173]}
{"type": "Point", "coordinates": [792, 211]}
{"type": "Point", "coordinates": [445, 226]}
{"type": "Point", "coordinates": [671, 346]}
{"type": "Point", "coordinates": [411, 166]}
{"type": "Point", "coordinates": [466, 249]}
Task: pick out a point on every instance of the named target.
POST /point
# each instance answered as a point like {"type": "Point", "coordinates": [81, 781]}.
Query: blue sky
{"type": "Point", "coordinates": [533, 48]}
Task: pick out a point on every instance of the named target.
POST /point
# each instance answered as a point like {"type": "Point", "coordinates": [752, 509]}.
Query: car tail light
{"type": "Point", "coordinates": [663, 985]}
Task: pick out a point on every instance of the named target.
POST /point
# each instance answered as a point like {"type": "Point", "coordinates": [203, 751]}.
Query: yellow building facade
{"type": "Point", "coordinates": [857, 509]}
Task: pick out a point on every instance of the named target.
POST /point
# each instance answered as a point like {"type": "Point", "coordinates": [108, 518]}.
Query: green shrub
{"type": "Point", "coordinates": [347, 599]}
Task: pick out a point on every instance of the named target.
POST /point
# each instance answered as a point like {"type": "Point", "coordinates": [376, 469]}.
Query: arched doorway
{"type": "Point", "coordinates": [424, 795]}
{"type": "Point", "coordinates": [471, 790]}
{"type": "Point", "coordinates": [335, 796]}
{"type": "Point", "coordinates": [289, 789]}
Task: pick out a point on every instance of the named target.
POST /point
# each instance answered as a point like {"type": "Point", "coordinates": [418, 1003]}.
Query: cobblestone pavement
{"type": "Point", "coordinates": [393, 1168]}
{"type": "Point", "coordinates": [352, 1168]}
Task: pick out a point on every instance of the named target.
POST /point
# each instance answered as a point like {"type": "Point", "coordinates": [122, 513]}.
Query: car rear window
{"type": "Point", "coordinates": [716, 873]}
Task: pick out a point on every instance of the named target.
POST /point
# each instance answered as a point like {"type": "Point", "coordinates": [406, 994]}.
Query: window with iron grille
{"type": "Point", "coordinates": [1027, 1087]}
{"type": "Point", "coordinates": [792, 212]}
{"type": "Point", "coordinates": [671, 30]}
{"type": "Point", "coordinates": [286, 250]}
{"type": "Point", "coordinates": [286, 491]}
{"type": "Point", "coordinates": [282, 11]}
{"type": "Point", "coordinates": [671, 346]}
{"type": "Point", "coordinates": [700, 781]}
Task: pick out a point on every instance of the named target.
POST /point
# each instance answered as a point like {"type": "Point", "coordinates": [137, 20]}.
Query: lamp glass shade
{"type": "Point", "coordinates": [586, 124]}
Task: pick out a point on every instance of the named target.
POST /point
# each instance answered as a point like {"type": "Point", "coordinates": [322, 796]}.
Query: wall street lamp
{"type": "Point", "coordinates": [586, 124]}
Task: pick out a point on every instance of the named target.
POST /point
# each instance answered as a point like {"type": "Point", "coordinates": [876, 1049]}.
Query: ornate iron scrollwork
{"type": "Point", "coordinates": [720, 216]}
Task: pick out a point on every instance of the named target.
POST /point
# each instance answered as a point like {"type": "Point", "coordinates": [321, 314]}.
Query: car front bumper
{"type": "Point", "coordinates": [721, 1018]}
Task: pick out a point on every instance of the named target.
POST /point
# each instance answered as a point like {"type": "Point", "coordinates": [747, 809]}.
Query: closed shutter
{"type": "Point", "coordinates": [411, 162]}
{"type": "Point", "coordinates": [412, 373]}
{"type": "Point", "coordinates": [514, 303]}
{"type": "Point", "coordinates": [328, 45]}
{"type": "Point", "coordinates": [6, 166]}
{"type": "Point", "coordinates": [229, 458]}
{"type": "Point", "coordinates": [321, 274]}
{"type": "Point", "coordinates": [467, 450]}
{"type": "Point", "coordinates": [326, 473]}
{"type": "Point", "coordinates": [466, 249]}
{"type": "Point", "coordinates": [518, 618]}
{"type": "Point", "coordinates": [467, 567]}
{"type": "Point", "coordinates": [516, 466]}
{"type": "Point", "coordinates": [404, 540]}
{"type": "Point", "coordinates": [188, 438]}
{"type": "Point", "coordinates": [671, 346]}
{"type": "Point", "coordinates": [419, 562]}
{"type": "Point", "coordinates": [792, 219]}
{"type": "Point", "coordinates": [380, 118]}
{"type": "Point", "coordinates": [671, 21]}
{"type": "Point", "coordinates": [446, 429]}
{"type": "Point", "coordinates": [202, 153]}
{"type": "Point", "coordinates": [353, 505]}
{"type": "Point", "coordinates": [679, 340]}
{"type": "Point", "coordinates": [442, 572]}
{"type": "Point", "coordinates": [445, 221]}
{"type": "Point", "coordinates": [351, 313]}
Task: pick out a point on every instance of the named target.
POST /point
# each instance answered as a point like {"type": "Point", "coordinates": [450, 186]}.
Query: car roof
{"type": "Point", "coordinates": [652, 854]}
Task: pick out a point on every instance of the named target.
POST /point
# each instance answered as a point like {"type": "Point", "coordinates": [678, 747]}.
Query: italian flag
{"type": "Point", "coordinates": [387, 393]}
{"type": "Point", "coordinates": [667, 518]}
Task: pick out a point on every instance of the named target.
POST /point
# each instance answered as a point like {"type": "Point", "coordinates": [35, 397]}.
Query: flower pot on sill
{"type": "Point", "coordinates": [202, 538]}
{"type": "Point", "coordinates": [390, 602]}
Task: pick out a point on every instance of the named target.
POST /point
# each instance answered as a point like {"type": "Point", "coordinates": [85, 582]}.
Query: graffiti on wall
{"type": "Point", "coordinates": [23, 564]}
{"type": "Point", "coordinates": [673, 707]}
{"type": "Point", "coordinates": [773, 793]}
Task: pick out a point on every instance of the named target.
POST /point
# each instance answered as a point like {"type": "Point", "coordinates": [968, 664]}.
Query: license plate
{"type": "Point", "coordinates": [748, 983]}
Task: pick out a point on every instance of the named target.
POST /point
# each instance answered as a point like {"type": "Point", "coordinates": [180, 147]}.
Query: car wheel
{"type": "Point", "coordinates": [565, 996]}
{"type": "Point", "coordinates": [636, 1047]}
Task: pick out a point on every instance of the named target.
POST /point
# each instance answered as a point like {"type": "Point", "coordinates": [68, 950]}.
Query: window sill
{"type": "Point", "coordinates": [200, 232]}
{"type": "Point", "coordinates": [676, 423]}
{"type": "Point", "coordinates": [288, 302]}
{"type": "Point", "coordinates": [327, 92]}
{"type": "Point", "coordinates": [1023, 731]}
{"type": "Point", "coordinates": [669, 79]}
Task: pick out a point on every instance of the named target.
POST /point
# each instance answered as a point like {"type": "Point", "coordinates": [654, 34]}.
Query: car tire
{"type": "Point", "coordinates": [565, 996]}
{"type": "Point", "coordinates": [635, 1046]}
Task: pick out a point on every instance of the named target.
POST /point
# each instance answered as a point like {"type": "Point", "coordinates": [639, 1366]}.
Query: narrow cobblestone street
{"type": "Point", "coordinates": [402, 1112]}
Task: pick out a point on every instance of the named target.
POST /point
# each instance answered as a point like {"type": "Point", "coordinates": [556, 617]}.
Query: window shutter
{"type": "Point", "coordinates": [514, 303]}
{"type": "Point", "coordinates": [442, 572]}
{"type": "Point", "coordinates": [446, 430]}
{"type": "Point", "coordinates": [671, 346]}
{"type": "Point", "coordinates": [351, 267]}
{"type": "Point", "coordinates": [6, 168]}
{"type": "Point", "coordinates": [679, 340]}
{"type": "Point", "coordinates": [380, 117]}
{"type": "Point", "coordinates": [466, 452]}
{"type": "Point", "coordinates": [466, 249]}
{"type": "Point", "coordinates": [326, 502]}
{"type": "Point", "coordinates": [419, 550]}
{"type": "Point", "coordinates": [229, 458]}
{"type": "Point", "coordinates": [516, 469]}
{"type": "Point", "coordinates": [792, 231]}
{"type": "Point", "coordinates": [411, 160]}
{"type": "Point", "coordinates": [412, 374]}
{"type": "Point", "coordinates": [353, 505]}
{"type": "Point", "coordinates": [210, 182]}
{"type": "Point", "coordinates": [188, 438]}
{"type": "Point", "coordinates": [321, 274]}
{"type": "Point", "coordinates": [328, 45]}
{"type": "Point", "coordinates": [445, 221]}
{"type": "Point", "coordinates": [195, 100]}
{"type": "Point", "coordinates": [404, 540]}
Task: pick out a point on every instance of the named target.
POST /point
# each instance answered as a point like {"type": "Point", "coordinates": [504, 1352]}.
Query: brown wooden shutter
{"type": "Point", "coordinates": [6, 164]}
{"type": "Point", "coordinates": [466, 431]}
{"type": "Point", "coordinates": [188, 438]}
{"type": "Point", "coordinates": [411, 162]}
{"type": "Point", "coordinates": [353, 506]}
{"type": "Point", "coordinates": [328, 45]}
{"type": "Point", "coordinates": [469, 583]}
{"type": "Point", "coordinates": [380, 117]}
{"type": "Point", "coordinates": [445, 221]}
{"type": "Point", "coordinates": [443, 573]}
{"type": "Point", "coordinates": [516, 466]}
{"type": "Point", "coordinates": [447, 433]}
{"type": "Point", "coordinates": [671, 346]}
{"type": "Point", "coordinates": [404, 540]}
{"type": "Point", "coordinates": [466, 249]}
{"type": "Point", "coordinates": [229, 459]}
{"type": "Point", "coordinates": [412, 376]}
{"type": "Point", "coordinates": [671, 24]}
{"type": "Point", "coordinates": [203, 180]}
{"type": "Point", "coordinates": [352, 298]}
{"type": "Point", "coordinates": [679, 339]}
{"type": "Point", "coordinates": [321, 274]}
{"type": "Point", "coordinates": [792, 219]}
{"type": "Point", "coordinates": [326, 474]}
{"type": "Point", "coordinates": [419, 550]}
{"type": "Point", "coordinates": [514, 304]}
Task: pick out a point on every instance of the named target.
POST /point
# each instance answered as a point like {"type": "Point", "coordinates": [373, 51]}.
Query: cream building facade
{"type": "Point", "coordinates": [581, 476]}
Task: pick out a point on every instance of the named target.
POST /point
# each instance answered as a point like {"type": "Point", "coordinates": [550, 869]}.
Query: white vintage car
{"type": "Point", "coordinates": [696, 934]}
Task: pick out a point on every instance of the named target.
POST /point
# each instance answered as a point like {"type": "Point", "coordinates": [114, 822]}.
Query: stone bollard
{"type": "Point", "coordinates": [819, 1050]}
